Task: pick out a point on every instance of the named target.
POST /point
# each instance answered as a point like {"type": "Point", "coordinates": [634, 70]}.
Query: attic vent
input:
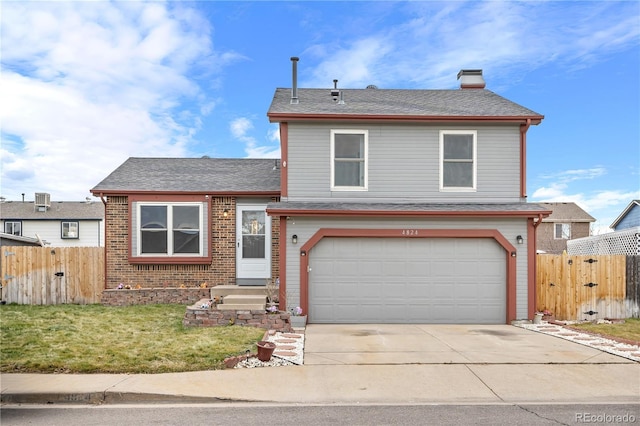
{"type": "Point", "coordinates": [43, 200]}
{"type": "Point", "coordinates": [372, 86]}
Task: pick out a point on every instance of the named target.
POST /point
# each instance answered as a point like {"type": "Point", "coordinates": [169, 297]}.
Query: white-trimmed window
{"type": "Point", "coordinates": [458, 160]}
{"type": "Point", "coordinates": [70, 230]}
{"type": "Point", "coordinates": [349, 158]}
{"type": "Point", "coordinates": [169, 229]}
{"type": "Point", "coordinates": [562, 231]}
{"type": "Point", "coordinates": [13, 228]}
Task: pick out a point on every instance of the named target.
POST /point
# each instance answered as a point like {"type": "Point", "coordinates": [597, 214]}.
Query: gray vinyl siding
{"type": "Point", "coordinates": [404, 163]}
{"type": "Point", "coordinates": [304, 228]}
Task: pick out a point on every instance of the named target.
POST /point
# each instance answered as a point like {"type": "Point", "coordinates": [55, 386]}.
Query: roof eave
{"type": "Point", "coordinates": [113, 192]}
{"type": "Point", "coordinates": [404, 213]}
{"type": "Point", "coordinates": [286, 117]}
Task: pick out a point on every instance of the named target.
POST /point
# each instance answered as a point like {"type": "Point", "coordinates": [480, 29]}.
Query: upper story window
{"type": "Point", "coordinates": [349, 160]}
{"type": "Point", "coordinates": [170, 229]}
{"type": "Point", "coordinates": [70, 230]}
{"type": "Point", "coordinates": [13, 228]}
{"type": "Point", "coordinates": [562, 231]}
{"type": "Point", "coordinates": [458, 160]}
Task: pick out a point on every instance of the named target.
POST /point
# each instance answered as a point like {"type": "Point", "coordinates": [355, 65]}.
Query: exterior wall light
{"type": "Point", "coordinates": [294, 239]}
{"type": "Point", "coordinates": [519, 239]}
{"type": "Point", "coordinates": [225, 213]}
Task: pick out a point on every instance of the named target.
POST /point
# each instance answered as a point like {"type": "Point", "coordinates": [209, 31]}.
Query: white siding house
{"type": "Point", "coordinates": [55, 223]}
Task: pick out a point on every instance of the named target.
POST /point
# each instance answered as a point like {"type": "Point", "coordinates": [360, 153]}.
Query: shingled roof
{"type": "Point", "coordinates": [566, 212]}
{"type": "Point", "coordinates": [194, 175]}
{"type": "Point", "coordinates": [58, 210]}
{"type": "Point", "coordinates": [393, 104]}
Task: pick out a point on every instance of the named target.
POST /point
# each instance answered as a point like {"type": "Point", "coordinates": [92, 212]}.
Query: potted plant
{"type": "Point", "coordinates": [297, 319]}
{"type": "Point", "coordinates": [265, 350]}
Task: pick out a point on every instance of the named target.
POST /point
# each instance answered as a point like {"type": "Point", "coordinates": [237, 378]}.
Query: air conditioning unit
{"type": "Point", "coordinates": [42, 201]}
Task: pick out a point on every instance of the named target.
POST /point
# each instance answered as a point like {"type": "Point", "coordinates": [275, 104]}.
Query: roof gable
{"type": "Point", "coordinates": [193, 175]}
{"type": "Point", "coordinates": [635, 204]}
{"type": "Point", "coordinates": [566, 212]}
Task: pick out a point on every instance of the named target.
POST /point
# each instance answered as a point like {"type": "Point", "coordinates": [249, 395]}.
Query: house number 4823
{"type": "Point", "coordinates": [409, 232]}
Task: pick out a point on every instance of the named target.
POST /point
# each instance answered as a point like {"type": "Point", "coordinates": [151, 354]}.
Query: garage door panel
{"type": "Point", "coordinates": [395, 280]}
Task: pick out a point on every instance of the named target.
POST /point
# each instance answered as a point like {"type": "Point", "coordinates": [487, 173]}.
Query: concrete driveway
{"type": "Point", "coordinates": [389, 344]}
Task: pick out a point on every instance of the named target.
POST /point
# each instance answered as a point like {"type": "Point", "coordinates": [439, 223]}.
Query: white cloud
{"type": "Point", "coordinates": [505, 39]}
{"type": "Point", "coordinates": [240, 128]}
{"type": "Point", "coordinates": [92, 83]}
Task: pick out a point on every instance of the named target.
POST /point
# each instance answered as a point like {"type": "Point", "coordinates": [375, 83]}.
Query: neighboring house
{"type": "Point", "coordinates": [624, 241]}
{"type": "Point", "coordinates": [53, 223]}
{"type": "Point", "coordinates": [567, 222]}
{"type": "Point", "coordinates": [175, 222]}
{"type": "Point", "coordinates": [629, 218]}
{"type": "Point", "coordinates": [405, 206]}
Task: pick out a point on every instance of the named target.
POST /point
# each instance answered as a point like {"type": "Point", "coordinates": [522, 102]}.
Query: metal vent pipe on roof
{"type": "Point", "coordinates": [294, 87]}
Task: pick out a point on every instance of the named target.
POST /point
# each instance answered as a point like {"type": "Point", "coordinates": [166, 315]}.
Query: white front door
{"type": "Point", "coordinates": [253, 233]}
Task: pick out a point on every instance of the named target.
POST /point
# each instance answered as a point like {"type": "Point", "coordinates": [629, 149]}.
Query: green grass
{"type": "Point", "coordinates": [102, 339]}
{"type": "Point", "coordinates": [629, 330]}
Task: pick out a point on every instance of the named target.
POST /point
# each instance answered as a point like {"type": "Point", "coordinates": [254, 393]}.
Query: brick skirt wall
{"type": "Point", "coordinates": [152, 296]}
{"type": "Point", "coordinates": [212, 317]}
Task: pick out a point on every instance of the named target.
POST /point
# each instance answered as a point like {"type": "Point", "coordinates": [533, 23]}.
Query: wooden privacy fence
{"type": "Point", "coordinates": [588, 287]}
{"type": "Point", "coordinates": [52, 275]}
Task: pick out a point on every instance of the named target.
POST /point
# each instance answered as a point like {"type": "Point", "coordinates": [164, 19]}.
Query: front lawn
{"type": "Point", "coordinates": [101, 339]}
{"type": "Point", "coordinates": [629, 331]}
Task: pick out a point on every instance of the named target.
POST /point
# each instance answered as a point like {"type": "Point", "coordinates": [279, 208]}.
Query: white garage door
{"type": "Point", "coordinates": [407, 280]}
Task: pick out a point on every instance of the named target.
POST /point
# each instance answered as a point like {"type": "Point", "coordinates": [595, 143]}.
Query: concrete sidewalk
{"type": "Point", "coordinates": [390, 364]}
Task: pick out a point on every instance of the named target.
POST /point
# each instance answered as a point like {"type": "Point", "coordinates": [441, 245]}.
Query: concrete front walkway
{"type": "Point", "coordinates": [389, 364]}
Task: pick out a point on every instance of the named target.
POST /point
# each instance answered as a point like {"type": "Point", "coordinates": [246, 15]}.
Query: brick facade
{"type": "Point", "coordinates": [222, 240]}
{"type": "Point", "coordinates": [151, 296]}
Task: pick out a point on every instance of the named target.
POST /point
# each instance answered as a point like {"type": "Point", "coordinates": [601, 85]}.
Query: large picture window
{"type": "Point", "coordinates": [349, 160]}
{"type": "Point", "coordinates": [170, 229]}
{"type": "Point", "coordinates": [458, 160]}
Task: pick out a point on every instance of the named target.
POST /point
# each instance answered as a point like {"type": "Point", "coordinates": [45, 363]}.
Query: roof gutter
{"type": "Point", "coordinates": [286, 117]}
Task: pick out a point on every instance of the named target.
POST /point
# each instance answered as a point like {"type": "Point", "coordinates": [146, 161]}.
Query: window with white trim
{"type": "Point", "coordinates": [562, 231]}
{"type": "Point", "coordinates": [349, 160]}
{"type": "Point", "coordinates": [169, 229]}
{"type": "Point", "coordinates": [13, 228]}
{"type": "Point", "coordinates": [70, 230]}
{"type": "Point", "coordinates": [458, 160]}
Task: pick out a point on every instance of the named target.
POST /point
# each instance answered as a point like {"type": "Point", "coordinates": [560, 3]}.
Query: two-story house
{"type": "Point", "coordinates": [405, 206]}
{"type": "Point", "coordinates": [387, 206]}
{"type": "Point", "coordinates": [52, 223]}
{"type": "Point", "coordinates": [567, 221]}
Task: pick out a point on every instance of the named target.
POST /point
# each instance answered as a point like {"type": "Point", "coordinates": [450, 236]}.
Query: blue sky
{"type": "Point", "coordinates": [85, 85]}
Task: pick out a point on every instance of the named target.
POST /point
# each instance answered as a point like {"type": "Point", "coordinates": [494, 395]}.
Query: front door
{"type": "Point", "coordinates": [253, 255]}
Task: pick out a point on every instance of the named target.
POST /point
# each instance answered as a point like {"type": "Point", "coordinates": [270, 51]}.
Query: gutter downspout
{"type": "Point", "coordinates": [104, 201]}
{"type": "Point", "coordinates": [523, 157]}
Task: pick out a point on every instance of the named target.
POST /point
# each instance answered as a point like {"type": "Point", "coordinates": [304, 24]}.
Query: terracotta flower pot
{"type": "Point", "coordinates": [265, 350]}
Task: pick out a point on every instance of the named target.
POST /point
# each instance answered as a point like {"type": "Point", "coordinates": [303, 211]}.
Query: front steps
{"type": "Point", "coordinates": [240, 298]}
{"type": "Point", "coordinates": [243, 302]}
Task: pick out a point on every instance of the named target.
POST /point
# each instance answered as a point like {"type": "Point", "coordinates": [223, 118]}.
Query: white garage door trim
{"type": "Point", "coordinates": [510, 253]}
